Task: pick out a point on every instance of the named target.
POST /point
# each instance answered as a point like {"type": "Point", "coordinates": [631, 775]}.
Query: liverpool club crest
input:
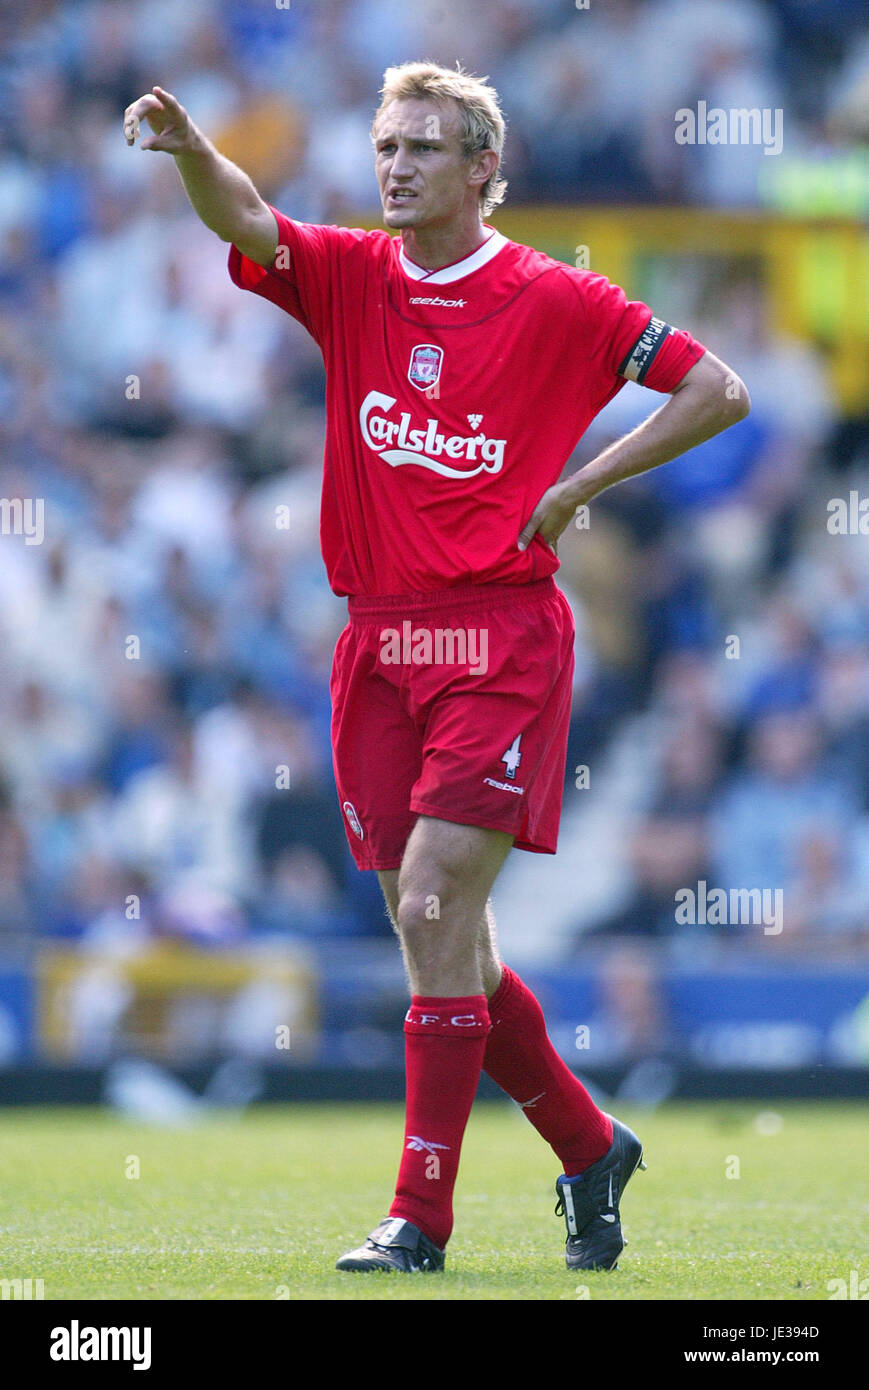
{"type": "Point", "coordinates": [425, 366]}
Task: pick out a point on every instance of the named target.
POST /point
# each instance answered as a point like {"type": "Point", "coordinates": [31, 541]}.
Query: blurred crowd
{"type": "Point", "coordinates": [590, 91]}
{"type": "Point", "coordinates": [735, 620]}
{"type": "Point", "coordinates": [165, 650]}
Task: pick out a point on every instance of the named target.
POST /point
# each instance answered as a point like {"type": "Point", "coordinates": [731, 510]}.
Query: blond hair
{"type": "Point", "coordinates": [482, 124]}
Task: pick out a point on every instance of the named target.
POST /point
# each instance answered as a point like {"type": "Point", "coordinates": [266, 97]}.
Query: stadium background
{"type": "Point", "coordinates": [174, 883]}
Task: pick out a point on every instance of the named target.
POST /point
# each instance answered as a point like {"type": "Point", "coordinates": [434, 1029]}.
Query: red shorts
{"type": "Point", "coordinates": [454, 704]}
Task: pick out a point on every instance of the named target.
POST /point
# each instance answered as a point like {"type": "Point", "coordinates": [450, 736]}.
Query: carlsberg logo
{"type": "Point", "coordinates": [426, 447]}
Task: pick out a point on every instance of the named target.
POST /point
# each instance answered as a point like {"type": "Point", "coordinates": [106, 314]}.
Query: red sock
{"type": "Point", "coordinates": [444, 1044]}
{"type": "Point", "coordinates": [522, 1060]}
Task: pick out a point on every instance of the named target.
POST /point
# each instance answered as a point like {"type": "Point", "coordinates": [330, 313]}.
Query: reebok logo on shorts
{"type": "Point", "coordinates": [503, 786]}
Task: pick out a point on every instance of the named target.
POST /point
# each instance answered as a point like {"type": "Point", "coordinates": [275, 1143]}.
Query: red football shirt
{"type": "Point", "coordinates": [453, 398]}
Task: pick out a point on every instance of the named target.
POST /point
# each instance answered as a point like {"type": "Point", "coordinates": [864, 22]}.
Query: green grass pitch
{"type": "Point", "coordinates": [259, 1207]}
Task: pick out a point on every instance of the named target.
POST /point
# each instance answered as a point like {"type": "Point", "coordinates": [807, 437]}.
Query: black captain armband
{"type": "Point", "coordinates": [641, 356]}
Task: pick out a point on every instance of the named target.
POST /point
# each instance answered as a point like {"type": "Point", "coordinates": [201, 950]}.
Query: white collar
{"type": "Point", "coordinates": [445, 276]}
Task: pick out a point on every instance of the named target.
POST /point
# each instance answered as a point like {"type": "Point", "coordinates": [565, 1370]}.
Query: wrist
{"type": "Point", "coordinates": [195, 144]}
{"type": "Point", "coordinates": [581, 488]}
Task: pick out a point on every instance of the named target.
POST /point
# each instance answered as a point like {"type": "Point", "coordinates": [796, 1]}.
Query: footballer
{"type": "Point", "coordinates": [462, 368]}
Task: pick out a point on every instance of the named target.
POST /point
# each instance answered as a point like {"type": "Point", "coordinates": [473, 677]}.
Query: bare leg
{"type": "Point", "coordinates": [488, 960]}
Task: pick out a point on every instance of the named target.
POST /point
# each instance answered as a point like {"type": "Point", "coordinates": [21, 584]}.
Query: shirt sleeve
{"type": "Point", "coordinates": [303, 275]}
{"type": "Point", "coordinates": [624, 341]}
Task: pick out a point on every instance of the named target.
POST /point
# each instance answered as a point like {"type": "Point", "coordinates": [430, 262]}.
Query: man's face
{"type": "Point", "coordinates": [422, 172]}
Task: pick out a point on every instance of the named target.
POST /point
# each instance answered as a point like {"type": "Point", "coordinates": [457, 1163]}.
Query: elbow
{"type": "Point", "coordinates": [738, 399]}
{"type": "Point", "coordinates": [720, 394]}
{"type": "Point", "coordinates": [727, 398]}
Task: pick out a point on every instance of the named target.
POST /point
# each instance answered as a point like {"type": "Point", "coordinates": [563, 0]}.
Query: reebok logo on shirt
{"type": "Point", "coordinates": [440, 303]}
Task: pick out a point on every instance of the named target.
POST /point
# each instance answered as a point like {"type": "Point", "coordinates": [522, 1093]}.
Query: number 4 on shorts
{"type": "Point", "coordinates": [512, 758]}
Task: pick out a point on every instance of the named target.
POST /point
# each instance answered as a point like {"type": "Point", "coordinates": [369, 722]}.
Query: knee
{"type": "Point", "coordinates": [420, 915]}
{"type": "Point", "coordinates": [430, 910]}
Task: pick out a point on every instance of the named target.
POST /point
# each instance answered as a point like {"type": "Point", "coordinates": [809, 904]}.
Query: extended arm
{"type": "Point", "coordinates": [709, 398]}
{"type": "Point", "coordinates": [222, 195]}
